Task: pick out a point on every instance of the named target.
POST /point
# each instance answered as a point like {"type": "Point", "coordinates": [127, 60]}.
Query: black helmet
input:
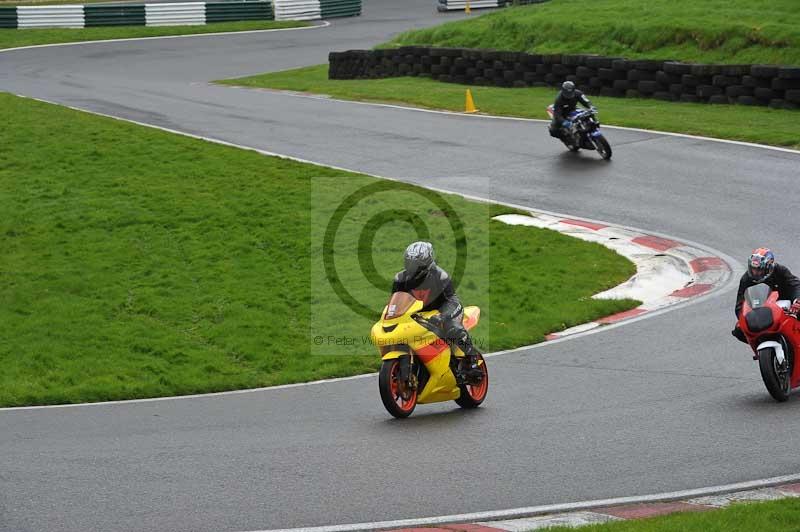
{"type": "Point", "coordinates": [418, 259]}
{"type": "Point", "coordinates": [568, 89]}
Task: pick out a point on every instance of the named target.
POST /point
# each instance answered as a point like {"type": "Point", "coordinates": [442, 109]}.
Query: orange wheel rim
{"type": "Point", "coordinates": [404, 403]}
{"type": "Point", "coordinates": [478, 391]}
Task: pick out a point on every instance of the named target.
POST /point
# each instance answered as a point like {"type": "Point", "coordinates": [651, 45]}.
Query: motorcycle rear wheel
{"type": "Point", "coordinates": [776, 379]}
{"type": "Point", "coordinates": [398, 400]}
{"type": "Point", "coordinates": [603, 147]}
{"type": "Point", "coordinates": [472, 395]}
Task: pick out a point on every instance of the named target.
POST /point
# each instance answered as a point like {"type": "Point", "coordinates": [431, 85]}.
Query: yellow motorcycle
{"type": "Point", "coordinates": [419, 366]}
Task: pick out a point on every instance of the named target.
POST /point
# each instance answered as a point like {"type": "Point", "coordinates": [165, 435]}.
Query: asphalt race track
{"type": "Point", "coordinates": [666, 403]}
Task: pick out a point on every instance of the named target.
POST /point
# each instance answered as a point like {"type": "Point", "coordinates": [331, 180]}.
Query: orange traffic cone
{"type": "Point", "coordinates": [469, 106]}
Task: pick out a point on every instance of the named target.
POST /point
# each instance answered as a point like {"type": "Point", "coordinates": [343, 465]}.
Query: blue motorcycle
{"type": "Point", "coordinates": [582, 130]}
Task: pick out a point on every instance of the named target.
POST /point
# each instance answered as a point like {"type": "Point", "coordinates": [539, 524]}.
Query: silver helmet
{"type": "Point", "coordinates": [418, 258]}
{"type": "Point", "coordinates": [568, 89]}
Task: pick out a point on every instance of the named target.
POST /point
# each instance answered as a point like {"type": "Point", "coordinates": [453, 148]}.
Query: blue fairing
{"type": "Point", "coordinates": [596, 133]}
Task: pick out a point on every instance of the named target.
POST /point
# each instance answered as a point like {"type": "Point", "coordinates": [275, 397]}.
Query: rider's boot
{"type": "Point", "coordinates": [470, 368]}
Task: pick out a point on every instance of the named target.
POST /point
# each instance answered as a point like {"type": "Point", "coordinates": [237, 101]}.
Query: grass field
{"type": "Point", "coordinates": [13, 38]}
{"type": "Point", "coordinates": [753, 124]}
{"type": "Point", "coordinates": [776, 516]}
{"type": "Point", "coordinates": [708, 31]}
{"type": "Point", "coordinates": [137, 263]}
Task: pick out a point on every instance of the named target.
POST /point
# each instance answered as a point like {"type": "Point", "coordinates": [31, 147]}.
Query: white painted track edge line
{"type": "Point", "coordinates": [530, 511]}
{"type": "Point", "coordinates": [313, 96]}
{"type": "Point", "coordinates": [714, 292]}
{"type": "Point", "coordinates": [324, 24]}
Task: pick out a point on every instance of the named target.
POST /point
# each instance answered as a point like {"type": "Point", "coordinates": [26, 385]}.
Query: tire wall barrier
{"type": "Point", "coordinates": [227, 12]}
{"type": "Point", "coordinates": [50, 17]}
{"type": "Point", "coordinates": [173, 14]}
{"type": "Point", "coordinates": [8, 17]}
{"type": "Point", "coordinates": [179, 14]}
{"type": "Point", "coordinates": [169, 14]}
{"type": "Point", "coordinates": [118, 15]}
{"type": "Point", "coordinates": [340, 8]}
{"type": "Point", "coordinates": [460, 5]}
{"type": "Point", "coordinates": [298, 10]}
{"type": "Point", "coordinates": [767, 85]}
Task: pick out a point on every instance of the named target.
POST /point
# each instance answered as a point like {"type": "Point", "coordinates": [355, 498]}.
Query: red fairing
{"type": "Point", "coordinates": [431, 351]}
{"type": "Point", "coordinates": [783, 325]}
{"type": "Point", "coordinates": [778, 317]}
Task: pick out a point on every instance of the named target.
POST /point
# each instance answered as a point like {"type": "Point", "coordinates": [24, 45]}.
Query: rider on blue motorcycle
{"type": "Point", "coordinates": [566, 102]}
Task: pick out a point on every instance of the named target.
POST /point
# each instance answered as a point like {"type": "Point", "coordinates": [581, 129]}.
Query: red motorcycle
{"type": "Point", "coordinates": [774, 336]}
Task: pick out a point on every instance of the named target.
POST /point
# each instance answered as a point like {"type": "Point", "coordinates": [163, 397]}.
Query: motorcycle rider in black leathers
{"type": "Point", "coordinates": [566, 102]}
{"type": "Point", "coordinates": [426, 281]}
{"type": "Point", "coordinates": [762, 268]}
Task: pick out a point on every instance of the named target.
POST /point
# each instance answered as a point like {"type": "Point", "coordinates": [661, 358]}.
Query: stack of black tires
{"type": "Point", "coordinates": [775, 86]}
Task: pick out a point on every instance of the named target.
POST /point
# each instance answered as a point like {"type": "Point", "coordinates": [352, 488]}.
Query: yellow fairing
{"type": "Point", "coordinates": [393, 354]}
{"type": "Point", "coordinates": [401, 336]}
{"type": "Point", "coordinates": [442, 384]}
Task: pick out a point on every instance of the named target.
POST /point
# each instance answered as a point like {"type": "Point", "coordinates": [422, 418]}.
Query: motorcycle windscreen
{"type": "Point", "coordinates": [398, 305]}
{"type": "Point", "coordinates": [757, 296]}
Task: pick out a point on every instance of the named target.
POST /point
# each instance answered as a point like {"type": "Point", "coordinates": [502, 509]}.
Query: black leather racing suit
{"type": "Point", "coordinates": [784, 281]}
{"type": "Point", "coordinates": [436, 291]}
{"type": "Point", "coordinates": [563, 107]}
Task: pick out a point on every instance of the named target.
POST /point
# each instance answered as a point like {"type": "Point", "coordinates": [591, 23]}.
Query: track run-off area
{"type": "Point", "coordinates": [656, 405]}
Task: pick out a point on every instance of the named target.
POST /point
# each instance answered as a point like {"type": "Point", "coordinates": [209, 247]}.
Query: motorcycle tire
{"type": "Point", "coordinates": [778, 384]}
{"type": "Point", "coordinates": [603, 147]}
{"type": "Point", "coordinates": [472, 395]}
{"type": "Point", "coordinates": [397, 403]}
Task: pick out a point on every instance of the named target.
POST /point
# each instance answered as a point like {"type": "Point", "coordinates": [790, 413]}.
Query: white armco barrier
{"type": "Point", "coordinates": [69, 16]}
{"type": "Point", "coordinates": [460, 5]}
{"type": "Point", "coordinates": [182, 14]}
{"type": "Point", "coordinates": [297, 9]}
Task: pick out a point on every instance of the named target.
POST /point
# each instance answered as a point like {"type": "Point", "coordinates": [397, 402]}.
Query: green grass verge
{"type": "Point", "coordinates": [776, 516]}
{"type": "Point", "coordinates": [13, 38]}
{"type": "Point", "coordinates": [710, 31]}
{"type": "Point", "coordinates": [752, 124]}
{"type": "Point", "coordinates": [138, 263]}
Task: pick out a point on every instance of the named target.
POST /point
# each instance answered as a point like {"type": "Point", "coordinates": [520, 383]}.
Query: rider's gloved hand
{"type": "Point", "coordinates": [567, 124]}
{"type": "Point", "coordinates": [436, 320]}
{"type": "Point", "coordinates": [795, 308]}
{"type": "Point", "coordinates": [593, 109]}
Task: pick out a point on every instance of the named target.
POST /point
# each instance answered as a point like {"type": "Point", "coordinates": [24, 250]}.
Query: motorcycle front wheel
{"type": "Point", "coordinates": [776, 376]}
{"type": "Point", "coordinates": [472, 395]}
{"type": "Point", "coordinates": [398, 399]}
{"type": "Point", "coordinates": [603, 147]}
